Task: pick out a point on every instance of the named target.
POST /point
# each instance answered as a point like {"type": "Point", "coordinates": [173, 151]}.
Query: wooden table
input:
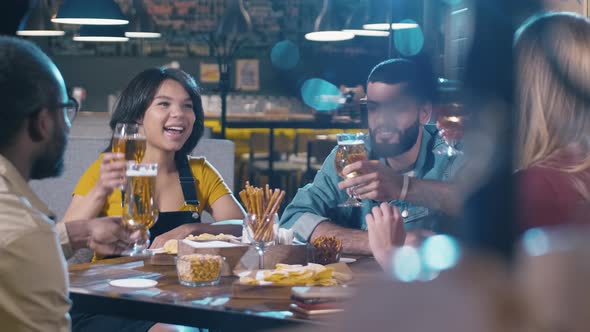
{"type": "Point", "coordinates": [169, 302]}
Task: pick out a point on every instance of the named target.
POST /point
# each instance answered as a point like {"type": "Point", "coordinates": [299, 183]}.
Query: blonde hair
{"type": "Point", "coordinates": [553, 92]}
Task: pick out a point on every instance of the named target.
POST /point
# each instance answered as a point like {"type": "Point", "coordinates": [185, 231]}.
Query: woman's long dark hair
{"type": "Point", "coordinates": [139, 94]}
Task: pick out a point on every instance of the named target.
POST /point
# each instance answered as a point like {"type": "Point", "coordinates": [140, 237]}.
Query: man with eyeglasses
{"type": "Point", "coordinates": [35, 120]}
{"type": "Point", "coordinates": [402, 169]}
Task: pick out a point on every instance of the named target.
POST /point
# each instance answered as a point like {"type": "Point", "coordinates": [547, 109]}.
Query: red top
{"type": "Point", "coordinates": [548, 197]}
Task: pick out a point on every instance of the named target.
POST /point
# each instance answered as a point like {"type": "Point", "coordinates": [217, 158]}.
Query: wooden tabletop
{"type": "Point", "coordinates": [170, 302]}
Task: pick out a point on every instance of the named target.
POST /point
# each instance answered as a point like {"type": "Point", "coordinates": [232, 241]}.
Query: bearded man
{"type": "Point", "coordinates": [401, 170]}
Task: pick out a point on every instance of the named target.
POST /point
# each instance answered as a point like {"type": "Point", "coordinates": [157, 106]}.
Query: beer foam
{"type": "Point", "coordinates": [355, 142]}
{"type": "Point", "coordinates": [142, 172]}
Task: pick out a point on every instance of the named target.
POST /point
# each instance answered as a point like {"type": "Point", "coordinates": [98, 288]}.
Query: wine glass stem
{"type": "Point", "coordinates": [260, 258]}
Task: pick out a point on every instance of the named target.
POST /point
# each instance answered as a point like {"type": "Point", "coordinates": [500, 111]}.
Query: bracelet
{"type": "Point", "coordinates": [404, 192]}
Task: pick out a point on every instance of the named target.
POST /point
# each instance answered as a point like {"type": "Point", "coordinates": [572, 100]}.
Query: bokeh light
{"type": "Point", "coordinates": [320, 94]}
{"type": "Point", "coordinates": [440, 252]}
{"type": "Point", "coordinates": [407, 266]}
{"type": "Point", "coordinates": [535, 242]}
{"type": "Point", "coordinates": [409, 42]}
{"type": "Point", "coordinates": [285, 55]}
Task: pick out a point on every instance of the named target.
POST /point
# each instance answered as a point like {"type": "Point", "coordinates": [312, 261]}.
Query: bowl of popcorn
{"type": "Point", "coordinates": [199, 269]}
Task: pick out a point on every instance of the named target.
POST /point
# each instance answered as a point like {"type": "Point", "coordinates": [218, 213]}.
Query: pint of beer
{"type": "Point", "coordinates": [351, 148]}
{"type": "Point", "coordinates": [139, 208]}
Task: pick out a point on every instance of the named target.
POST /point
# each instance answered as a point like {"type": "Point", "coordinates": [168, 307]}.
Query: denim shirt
{"type": "Point", "coordinates": [318, 201]}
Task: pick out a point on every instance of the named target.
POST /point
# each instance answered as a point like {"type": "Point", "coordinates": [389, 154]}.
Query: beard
{"type": "Point", "coordinates": [407, 139]}
{"type": "Point", "coordinates": [51, 162]}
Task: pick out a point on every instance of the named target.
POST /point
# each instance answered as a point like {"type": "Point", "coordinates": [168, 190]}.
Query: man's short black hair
{"type": "Point", "coordinates": [419, 78]}
{"type": "Point", "coordinates": [27, 84]}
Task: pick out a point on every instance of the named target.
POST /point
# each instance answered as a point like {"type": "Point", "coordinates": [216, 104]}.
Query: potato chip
{"type": "Point", "coordinates": [171, 246]}
{"type": "Point", "coordinates": [298, 275]}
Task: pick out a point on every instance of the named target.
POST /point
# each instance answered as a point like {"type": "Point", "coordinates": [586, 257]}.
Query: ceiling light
{"type": "Point", "coordinates": [324, 29]}
{"type": "Point", "coordinates": [142, 25]}
{"type": "Point", "coordinates": [394, 26]}
{"type": "Point", "coordinates": [367, 33]}
{"type": "Point", "coordinates": [329, 36]}
{"type": "Point", "coordinates": [101, 33]}
{"type": "Point", "coordinates": [93, 12]}
{"type": "Point", "coordinates": [37, 22]}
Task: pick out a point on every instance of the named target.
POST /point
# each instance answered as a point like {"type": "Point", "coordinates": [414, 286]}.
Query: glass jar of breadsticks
{"type": "Point", "coordinates": [261, 222]}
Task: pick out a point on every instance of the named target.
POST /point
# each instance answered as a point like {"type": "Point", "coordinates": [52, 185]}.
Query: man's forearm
{"type": "Point", "coordinates": [436, 195]}
{"type": "Point", "coordinates": [78, 233]}
{"type": "Point", "coordinates": [354, 241]}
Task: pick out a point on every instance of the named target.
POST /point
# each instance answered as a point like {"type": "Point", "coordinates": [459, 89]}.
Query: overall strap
{"type": "Point", "coordinates": [187, 182]}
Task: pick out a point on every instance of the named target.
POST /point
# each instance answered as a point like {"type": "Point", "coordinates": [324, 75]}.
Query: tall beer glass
{"type": "Point", "coordinates": [128, 138]}
{"type": "Point", "coordinates": [139, 208]}
{"type": "Point", "coordinates": [351, 148]}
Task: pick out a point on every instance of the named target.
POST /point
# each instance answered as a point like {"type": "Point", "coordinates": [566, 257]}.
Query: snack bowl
{"type": "Point", "coordinates": [326, 250]}
{"type": "Point", "coordinates": [199, 269]}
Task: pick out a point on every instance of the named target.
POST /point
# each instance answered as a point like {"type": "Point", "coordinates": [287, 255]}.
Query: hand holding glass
{"type": "Point", "coordinates": [351, 148]}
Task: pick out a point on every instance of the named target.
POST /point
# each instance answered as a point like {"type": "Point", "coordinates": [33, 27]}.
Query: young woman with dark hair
{"type": "Point", "coordinates": [167, 103]}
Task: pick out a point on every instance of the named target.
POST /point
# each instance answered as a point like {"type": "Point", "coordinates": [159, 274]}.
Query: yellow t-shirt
{"type": "Point", "coordinates": [208, 182]}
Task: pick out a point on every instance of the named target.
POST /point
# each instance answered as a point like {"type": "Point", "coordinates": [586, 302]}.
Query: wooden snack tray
{"type": "Point", "coordinates": [243, 257]}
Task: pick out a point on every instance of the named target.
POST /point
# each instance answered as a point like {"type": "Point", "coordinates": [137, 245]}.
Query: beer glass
{"type": "Point", "coordinates": [128, 138]}
{"type": "Point", "coordinates": [139, 208]}
{"type": "Point", "coordinates": [451, 122]}
{"type": "Point", "coordinates": [351, 148]}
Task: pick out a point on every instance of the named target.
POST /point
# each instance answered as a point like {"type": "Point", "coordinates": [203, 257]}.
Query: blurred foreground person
{"type": "Point", "coordinates": [553, 136]}
{"type": "Point", "coordinates": [34, 124]}
{"type": "Point", "coordinates": [553, 180]}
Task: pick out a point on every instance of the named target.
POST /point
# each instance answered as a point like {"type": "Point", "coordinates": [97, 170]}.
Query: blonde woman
{"type": "Point", "coordinates": [553, 137]}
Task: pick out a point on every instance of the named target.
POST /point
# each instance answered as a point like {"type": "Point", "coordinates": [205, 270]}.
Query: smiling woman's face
{"type": "Point", "coordinates": [168, 121]}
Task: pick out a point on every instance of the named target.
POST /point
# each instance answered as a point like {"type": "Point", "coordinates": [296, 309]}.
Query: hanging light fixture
{"type": "Point", "coordinates": [324, 29]}
{"type": "Point", "coordinates": [354, 23]}
{"type": "Point", "coordinates": [388, 16]}
{"type": "Point", "coordinates": [37, 22]}
{"type": "Point", "coordinates": [142, 24]}
{"type": "Point", "coordinates": [101, 33]}
{"type": "Point", "coordinates": [394, 26]}
{"type": "Point", "coordinates": [95, 12]}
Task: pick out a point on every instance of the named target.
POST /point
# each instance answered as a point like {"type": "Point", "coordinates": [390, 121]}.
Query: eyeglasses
{"type": "Point", "coordinates": [70, 109]}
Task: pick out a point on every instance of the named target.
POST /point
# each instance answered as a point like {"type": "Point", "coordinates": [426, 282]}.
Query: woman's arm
{"type": "Point", "coordinates": [111, 175]}
{"type": "Point", "coordinates": [226, 207]}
